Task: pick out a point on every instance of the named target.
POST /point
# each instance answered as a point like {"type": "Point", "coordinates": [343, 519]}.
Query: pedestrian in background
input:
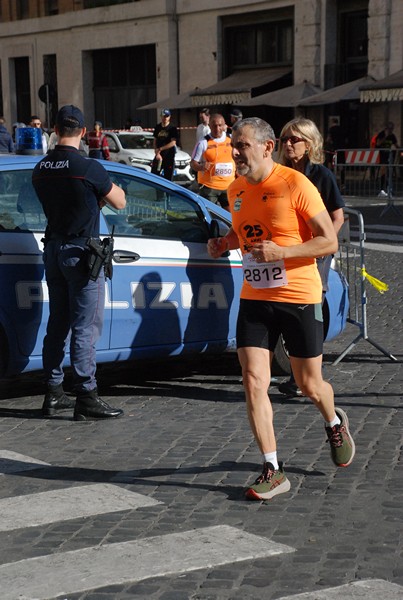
{"type": "Point", "coordinates": [335, 144]}
{"type": "Point", "coordinates": [52, 140]}
{"type": "Point", "coordinates": [301, 148]}
{"type": "Point", "coordinates": [281, 225]}
{"type": "Point", "coordinates": [387, 141]}
{"type": "Point", "coordinates": [213, 162]}
{"type": "Point", "coordinates": [72, 190]}
{"type": "Point", "coordinates": [203, 128]}
{"type": "Point", "coordinates": [165, 140]}
{"type": "Point", "coordinates": [335, 138]}
{"type": "Point", "coordinates": [36, 122]}
{"type": "Point", "coordinates": [6, 141]}
{"type": "Point", "coordinates": [97, 143]}
{"type": "Point", "coordinates": [235, 116]}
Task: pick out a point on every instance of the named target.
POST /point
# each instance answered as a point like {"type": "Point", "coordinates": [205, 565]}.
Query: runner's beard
{"type": "Point", "coordinates": [242, 169]}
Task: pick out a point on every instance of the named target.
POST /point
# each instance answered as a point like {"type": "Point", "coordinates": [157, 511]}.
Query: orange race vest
{"type": "Point", "coordinates": [223, 171]}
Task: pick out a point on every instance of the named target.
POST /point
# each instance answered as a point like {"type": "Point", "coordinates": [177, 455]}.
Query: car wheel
{"type": "Point", "coordinates": [281, 361]}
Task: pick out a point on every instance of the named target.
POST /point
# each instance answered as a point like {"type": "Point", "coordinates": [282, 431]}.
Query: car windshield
{"type": "Point", "coordinates": [131, 142]}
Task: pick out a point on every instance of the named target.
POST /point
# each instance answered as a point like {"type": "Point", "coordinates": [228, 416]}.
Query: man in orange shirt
{"type": "Point", "coordinates": [212, 160]}
{"type": "Point", "coordinates": [281, 225]}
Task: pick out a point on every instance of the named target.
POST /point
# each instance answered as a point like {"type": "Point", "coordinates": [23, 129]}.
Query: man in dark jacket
{"type": "Point", "coordinates": [6, 141]}
{"type": "Point", "coordinates": [72, 190]}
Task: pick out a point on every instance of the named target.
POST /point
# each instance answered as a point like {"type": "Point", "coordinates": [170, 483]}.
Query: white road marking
{"type": "Point", "coordinates": [380, 247]}
{"type": "Point", "coordinates": [383, 233]}
{"type": "Point", "coordinates": [387, 237]}
{"type": "Point", "coordinates": [384, 248]}
{"type": "Point", "coordinates": [13, 462]}
{"type": "Point", "coordinates": [390, 228]}
{"type": "Point", "coordinates": [82, 570]}
{"type": "Point", "coordinates": [90, 568]}
{"type": "Point", "coordinates": [68, 503]}
{"type": "Point", "coordinates": [368, 589]}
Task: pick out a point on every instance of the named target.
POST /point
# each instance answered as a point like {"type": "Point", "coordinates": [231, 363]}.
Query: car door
{"type": "Point", "coordinates": [113, 147]}
{"type": "Point", "coordinates": [23, 312]}
{"type": "Point", "coordinates": [24, 299]}
{"type": "Point", "coordinates": [175, 298]}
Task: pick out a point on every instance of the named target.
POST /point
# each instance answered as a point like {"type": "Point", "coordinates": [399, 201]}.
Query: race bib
{"type": "Point", "coordinates": [263, 275]}
{"type": "Point", "coordinates": [223, 169]}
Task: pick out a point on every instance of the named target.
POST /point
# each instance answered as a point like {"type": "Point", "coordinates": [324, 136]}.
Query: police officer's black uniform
{"type": "Point", "coordinates": [70, 187]}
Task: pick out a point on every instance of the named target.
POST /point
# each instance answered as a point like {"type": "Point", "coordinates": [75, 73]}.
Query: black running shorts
{"type": "Point", "coordinates": [260, 324]}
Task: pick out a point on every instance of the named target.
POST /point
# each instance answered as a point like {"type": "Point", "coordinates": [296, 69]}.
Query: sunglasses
{"type": "Point", "coordinates": [292, 138]}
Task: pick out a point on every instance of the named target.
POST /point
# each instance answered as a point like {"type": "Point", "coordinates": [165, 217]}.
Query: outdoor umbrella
{"type": "Point", "coordinates": [389, 89]}
{"type": "Point", "coordinates": [286, 97]}
{"type": "Point", "coordinates": [173, 102]}
{"type": "Point", "coordinates": [347, 91]}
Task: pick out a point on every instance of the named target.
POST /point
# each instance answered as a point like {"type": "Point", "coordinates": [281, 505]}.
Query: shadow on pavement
{"type": "Point", "coordinates": [147, 477]}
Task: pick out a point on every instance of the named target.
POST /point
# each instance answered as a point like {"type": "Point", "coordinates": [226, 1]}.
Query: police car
{"type": "Point", "coordinates": [167, 296]}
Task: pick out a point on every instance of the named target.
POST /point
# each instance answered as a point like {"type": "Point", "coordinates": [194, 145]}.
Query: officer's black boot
{"type": "Point", "coordinates": [89, 406]}
{"type": "Point", "coordinates": [55, 400]}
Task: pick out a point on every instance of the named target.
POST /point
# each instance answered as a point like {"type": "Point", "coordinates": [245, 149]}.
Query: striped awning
{"type": "Point", "coordinates": [389, 89]}
{"type": "Point", "coordinates": [344, 92]}
{"type": "Point", "coordinates": [236, 88]}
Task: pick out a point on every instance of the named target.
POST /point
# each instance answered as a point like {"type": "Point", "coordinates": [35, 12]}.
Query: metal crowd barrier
{"type": "Point", "coordinates": [351, 261]}
{"type": "Point", "coordinates": [371, 172]}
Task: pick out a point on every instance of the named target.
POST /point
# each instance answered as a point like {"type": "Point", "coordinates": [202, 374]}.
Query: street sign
{"type": "Point", "coordinates": [46, 93]}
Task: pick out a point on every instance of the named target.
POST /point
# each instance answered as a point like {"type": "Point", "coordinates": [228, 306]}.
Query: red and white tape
{"type": "Point", "coordinates": [361, 157]}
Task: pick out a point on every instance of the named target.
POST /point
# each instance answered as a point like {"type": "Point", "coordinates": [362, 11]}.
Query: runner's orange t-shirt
{"type": "Point", "coordinates": [222, 171]}
{"type": "Point", "coordinates": [278, 209]}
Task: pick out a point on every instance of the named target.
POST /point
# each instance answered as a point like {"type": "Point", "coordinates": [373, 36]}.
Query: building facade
{"type": "Point", "coordinates": [113, 57]}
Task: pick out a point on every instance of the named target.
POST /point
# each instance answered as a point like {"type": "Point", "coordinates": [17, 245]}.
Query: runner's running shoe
{"type": "Point", "coordinates": [270, 483]}
{"type": "Point", "coordinates": [342, 445]}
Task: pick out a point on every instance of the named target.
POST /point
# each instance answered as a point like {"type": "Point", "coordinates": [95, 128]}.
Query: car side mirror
{"type": "Point", "coordinates": [214, 229]}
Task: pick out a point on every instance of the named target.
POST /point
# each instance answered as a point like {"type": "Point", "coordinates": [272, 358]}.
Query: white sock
{"type": "Point", "coordinates": [336, 421]}
{"type": "Point", "coordinates": [271, 457]}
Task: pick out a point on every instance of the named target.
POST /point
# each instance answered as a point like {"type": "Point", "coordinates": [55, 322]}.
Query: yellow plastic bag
{"type": "Point", "coordinates": [378, 285]}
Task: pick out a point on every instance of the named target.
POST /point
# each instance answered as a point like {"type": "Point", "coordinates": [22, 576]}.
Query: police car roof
{"type": "Point", "coordinates": [18, 159]}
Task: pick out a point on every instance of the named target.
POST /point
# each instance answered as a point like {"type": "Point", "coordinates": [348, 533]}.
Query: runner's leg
{"type": "Point", "coordinates": [255, 363]}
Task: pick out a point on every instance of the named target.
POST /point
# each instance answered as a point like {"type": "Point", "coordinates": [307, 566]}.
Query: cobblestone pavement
{"type": "Point", "coordinates": [184, 441]}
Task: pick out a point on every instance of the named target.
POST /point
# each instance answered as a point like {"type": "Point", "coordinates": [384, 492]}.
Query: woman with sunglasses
{"type": "Point", "coordinates": [301, 148]}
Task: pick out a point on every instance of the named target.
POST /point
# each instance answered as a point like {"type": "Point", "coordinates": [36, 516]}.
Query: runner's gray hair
{"type": "Point", "coordinates": [262, 130]}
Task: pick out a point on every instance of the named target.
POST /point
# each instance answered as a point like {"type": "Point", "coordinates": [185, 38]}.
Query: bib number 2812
{"type": "Point", "coordinates": [264, 275]}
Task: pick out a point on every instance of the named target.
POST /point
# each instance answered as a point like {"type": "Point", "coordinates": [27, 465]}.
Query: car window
{"type": "Point", "coordinates": [113, 147]}
{"type": "Point", "coordinates": [20, 209]}
{"type": "Point", "coordinates": [223, 225]}
{"type": "Point", "coordinates": [153, 212]}
{"type": "Point", "coordinates": [133, 142]}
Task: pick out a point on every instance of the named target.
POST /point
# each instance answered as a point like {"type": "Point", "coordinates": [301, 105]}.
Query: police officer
{"type": "Point", "coordinates": [72, 189]}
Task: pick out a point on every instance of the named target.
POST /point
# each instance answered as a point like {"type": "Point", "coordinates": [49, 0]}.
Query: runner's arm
{"type": "Point", "coordinates": [324, 242]}
{"type": "Point", "coordinates": [217, 246]}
